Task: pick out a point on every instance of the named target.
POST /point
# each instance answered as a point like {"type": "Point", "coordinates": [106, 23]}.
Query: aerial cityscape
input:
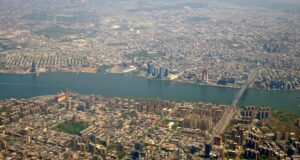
{"type": "Point", "coordinates": [149, 79]}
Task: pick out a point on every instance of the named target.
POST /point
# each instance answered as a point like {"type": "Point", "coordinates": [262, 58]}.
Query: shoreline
{"type": "Point", "coordinates": [209, 84]}
{"type": "Point", "coordinates": [183, 81]}
{"type": "Point", "coordinates": [47, 97]}
{"type": "Point", "coordinates": [44, 70]}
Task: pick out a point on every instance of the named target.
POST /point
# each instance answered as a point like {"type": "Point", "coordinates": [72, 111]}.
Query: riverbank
{"type": "Point", "coordinates": [45, 70]}
{"type": "Point", "coordinates": [205, 84]}
{"type": "Point", "coordinates": [283, 117]}
{"type": "Point", "coordinates": [139, 74]}
{"type": "Point", "coordinates": [120, 69]}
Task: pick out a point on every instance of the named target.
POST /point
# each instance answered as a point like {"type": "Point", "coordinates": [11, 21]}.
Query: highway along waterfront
{"type": "Point", "coordinates": [123, 85]}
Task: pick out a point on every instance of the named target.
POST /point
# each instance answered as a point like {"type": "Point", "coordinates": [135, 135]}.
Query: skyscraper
{"type": "Point", "coordinates": [33, 67]}
{"type": "Point", "coordinates": [205, 75]}
{"type": "Point", "coordinates": [149, 68]}
{"type": "Point", "coordinates": [162, 72]}
{"type": "Point", "coordinates": [207, 150]}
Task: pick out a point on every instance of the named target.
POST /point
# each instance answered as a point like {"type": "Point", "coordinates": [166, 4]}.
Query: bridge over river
{"type": "Point", "coordinates": [230, 111]}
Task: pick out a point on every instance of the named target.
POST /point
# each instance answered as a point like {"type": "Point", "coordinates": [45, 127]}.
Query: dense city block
{"type": "Point", "coordinates": [73, 126]}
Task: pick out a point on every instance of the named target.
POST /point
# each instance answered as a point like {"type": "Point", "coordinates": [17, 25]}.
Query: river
{"type": "Point", "coordinates": [120, 85]}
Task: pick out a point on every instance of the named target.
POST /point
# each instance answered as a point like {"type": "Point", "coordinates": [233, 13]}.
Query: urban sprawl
{"type": "Point", "coordinates": [73, 126]}
{"type": "Point", "coordinates": [214, 43]}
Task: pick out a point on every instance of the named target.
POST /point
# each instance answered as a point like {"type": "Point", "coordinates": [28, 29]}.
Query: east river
{"type": "Point", "coordinates": [120, 85]}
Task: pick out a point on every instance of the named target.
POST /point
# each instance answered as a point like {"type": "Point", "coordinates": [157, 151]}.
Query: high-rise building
{"type": "Point", "coordinates": [155, 72]}
{"type": "Point", "coordinates": [196, 121]}
{"type": "Point", "coordinates": [207, 150]}
{"type": "Point", "coordinates": [166, 72]}
{"type": "Point", "coordinates": [134, 60]}
{"type": "Point", "coordinates": [278, 136]}
{"type": "Point", "coordinates": [161, 73]}
{"type": "Point", "coordinates": [286, 136]}
{"type": "Point", "coordinates": [150, 68]}
{"type": "Point", "coordinates": [218, 140]}
{"type": "Point", "coordinates": [33, 67]}
{"type": "Point", "coordinates": [298, 122]}
{"type": "Point", "coordinates": [205, 75]}
{"type": "Point", "coordinates": [138, 146]}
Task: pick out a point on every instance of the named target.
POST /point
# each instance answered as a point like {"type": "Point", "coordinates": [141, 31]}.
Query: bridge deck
{"type": "Point", "coordinates": [230, 112]}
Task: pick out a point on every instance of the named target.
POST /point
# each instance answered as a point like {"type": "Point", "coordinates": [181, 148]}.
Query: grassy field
{"type": "Point", "coordinates": [121, 155]}
{"type": "Point", "coordinates": [283, 121]}
{"type": "Point", "coordinates": [5, 110]}
{"type": "Point", "coordinates": [284, 116]}
{"type": "Point", "coordinates": [71, 127]}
